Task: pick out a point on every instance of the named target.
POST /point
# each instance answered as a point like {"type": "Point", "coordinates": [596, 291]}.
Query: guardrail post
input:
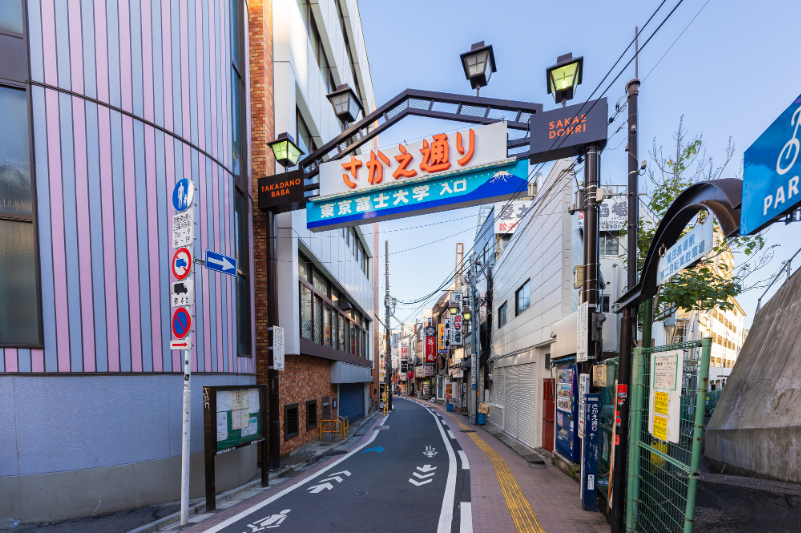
{"type": "Point", "coordinates": [698, 432]}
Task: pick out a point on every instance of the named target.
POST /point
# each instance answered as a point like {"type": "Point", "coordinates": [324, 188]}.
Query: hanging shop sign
{"type": "Point", "coordinates": [613, 214]}
{"type": "Point", "coordinates": [664, 402]}
{"type": "Point", "coordinates": [404, 350]}
{"type": "Point", "coordinates": [419, 161]}
{"type": "Point", "coordinates": [452, 190]}
{"type": "Point", "coordinates": [565, 131]}
{"type": "Point", "coordinates": [771, 171]}
{"type": "Point", "coordinates": [441, 348]}
{"type": "Point", "coordinates": [429, 371]}
{"type": "Point", "coordinates": [509, 214]}
{"type": "Point", "coordinates": [687, 250]}
{"type": "Point", "coordinates": [456, 330]}
{"type": "Point", "coordinates": [419, 371]}
{"type": "Point", "coordinates": [282, 192]}
{"type": "Point", "coordinates": [431, 349]}
{"type": "Point", "coordinates": [582, 332]}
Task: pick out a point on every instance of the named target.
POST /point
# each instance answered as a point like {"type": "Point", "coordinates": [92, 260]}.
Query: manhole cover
{"type": "Point", "coordinates": [336, 452]}
{"type": "Point", "coordinates": [360, 493]}
{"type": "Point", "coordinates": [468, 431]}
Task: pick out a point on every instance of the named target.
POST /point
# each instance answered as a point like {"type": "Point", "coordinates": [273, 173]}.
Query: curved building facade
{"type": "Point", "coordinates": [106, 103]}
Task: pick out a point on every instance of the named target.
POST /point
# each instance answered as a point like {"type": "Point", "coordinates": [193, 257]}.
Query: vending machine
{"type": "Point", "coordinates": [567, 441]}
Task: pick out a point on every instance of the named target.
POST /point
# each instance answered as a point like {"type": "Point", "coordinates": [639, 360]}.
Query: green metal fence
{"type": "Point", "coordinates": [663, 476]}
{"type": "Point", "coordinates": [712, 398]}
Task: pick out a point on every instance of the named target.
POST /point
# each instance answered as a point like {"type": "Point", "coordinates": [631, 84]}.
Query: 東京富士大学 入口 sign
{"type": "Point", "coordinates": [411, 197]}
{"type": "Point", "coordinates": [771, 172]}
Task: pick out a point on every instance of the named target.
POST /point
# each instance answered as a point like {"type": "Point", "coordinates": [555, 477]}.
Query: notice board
{"type": "Point", "coordinates": [237, 417]}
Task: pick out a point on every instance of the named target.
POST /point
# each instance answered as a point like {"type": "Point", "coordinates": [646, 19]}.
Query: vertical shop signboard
{"type": "Point", "coordinates": [589, 464]}
{"type": "Point", "coordinates": [431, 350]}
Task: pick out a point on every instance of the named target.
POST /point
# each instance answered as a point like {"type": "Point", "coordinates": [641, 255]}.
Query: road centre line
{"type": "Point", "coordinates": [446, 514]}
{"type": "Point", "coordinates": [271, 499]}
{"type": "Point", "coordinates": [465, 462]}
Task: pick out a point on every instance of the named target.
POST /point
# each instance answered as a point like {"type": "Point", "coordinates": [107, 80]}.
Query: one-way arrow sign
{"type": "Point", "coordinates": [220, 263]}
{"type": "Point", "coordinates": [319, 488]}
{"type": "Point", "coordinates": [327, 486]}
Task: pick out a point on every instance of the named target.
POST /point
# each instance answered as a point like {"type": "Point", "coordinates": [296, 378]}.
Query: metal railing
{"type": "Point", "coordinates": [663, 476]}
{"type": "Point", "coordinates": [337, 431]}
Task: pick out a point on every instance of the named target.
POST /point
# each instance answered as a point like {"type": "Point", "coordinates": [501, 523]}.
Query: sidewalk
{"type": "Point", "coordinates": [509, 494]}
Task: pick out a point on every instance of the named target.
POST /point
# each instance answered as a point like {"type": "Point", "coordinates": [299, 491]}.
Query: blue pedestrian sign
{"type": "Point", "coordinates": [220, 263]}
{"type": "Point", "coordinates": [771, 172]}
{"type": "Point", "coordinates": [183, 194]}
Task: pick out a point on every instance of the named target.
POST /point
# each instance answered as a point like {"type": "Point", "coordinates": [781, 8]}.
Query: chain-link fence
{"type": "Point", "coordinates": [663, 475]}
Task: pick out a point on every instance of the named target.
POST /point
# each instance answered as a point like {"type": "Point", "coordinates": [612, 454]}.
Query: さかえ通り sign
{"type": "Point", "coordinates": [771, 172]}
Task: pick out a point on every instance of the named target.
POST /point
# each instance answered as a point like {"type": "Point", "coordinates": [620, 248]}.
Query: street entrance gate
{"type": "Point", "coordinates": [663, 476]}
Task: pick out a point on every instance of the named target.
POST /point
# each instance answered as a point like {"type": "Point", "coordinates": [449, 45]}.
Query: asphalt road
{"type": "Point", "coordinates": [405, 476]}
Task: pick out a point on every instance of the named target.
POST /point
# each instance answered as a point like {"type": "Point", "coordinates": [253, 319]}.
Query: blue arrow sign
{"type": "Point", "coordinates": [378, 449]}
{"type": "Point", "coordinates": [220, 263]}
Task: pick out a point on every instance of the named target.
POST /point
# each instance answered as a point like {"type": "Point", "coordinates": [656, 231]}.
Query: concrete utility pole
{"type": "Point", "coordinates": [592, 165]}
{"type": "Point", "coordinates": [628, 324]}
{"type": "Point", "coordinates": [474, 311]}
{"type": "Point", "coordinates": [387, 305]}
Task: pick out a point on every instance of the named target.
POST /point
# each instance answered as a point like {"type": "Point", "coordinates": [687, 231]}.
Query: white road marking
{"type": "Point", "coordinates": [420, 476]}
{"type": "Point", "coordinates": [430, 452]}
{"type": "Point", "coordinates": [421, 483]}
{"type": "Point", "coordinates": [446, 514]}
{"type": "Point", "coordinates": [268, 501]}
{"type": "Point", "coordinates": [465, 462]}
{"type": "Point", "coordinates": [426, 468]}
{"type": "Point", "coordinates": [466, 523]}
{"type": "Point", "coordinates": [450, 434]}
{"type": "Point", "coordinates": [319, 488]}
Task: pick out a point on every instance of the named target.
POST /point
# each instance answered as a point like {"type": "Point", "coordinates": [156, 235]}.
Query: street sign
{"type": "Point", "coordinates": [183, 194]}
{"type": "Point", "coordinates": [770, 174]}
{"type": "Point", "coordinates": [181, 323]}
{"type": "Point", "coordinates": [220, 263]}
{"type": "Point", "coordinates": [183, 344]}
{"type": "Point", "coordinates": [431, 331]}
{"type": "Point", "coordinates": [181, 263]}
{"type": "Point", "coordinates": [565, 131]}
{"type": "Point", "coordinates": [405, 198]}
{"type": "Point", "coordinates": [183, 293]}
{"type": "Point", "coordinates": [183, 229]}
{"type": "Point", "coordinates": [419, 162]}
{"type": "Point", "coordinates": [278, 348]}
{"type": "Point", "coordinates": [282, 192]}
{"type": "Point", "coordinates": [582, 332]}
{"type": "Point", "coordinates": [589, 462]}
{"type": "Point", "coordinates": [687, 250]}
{"type": "Point", "coordinates": [613, 214]}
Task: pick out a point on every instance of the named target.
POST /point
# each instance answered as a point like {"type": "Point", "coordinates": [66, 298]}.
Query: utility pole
{"type": "Point", "coordinates": [274, 435]}
{"type": "Point", "coordinates": [387, 304]}
{"type": "Point", "coordinates": [592, 163]}
{"type": "Point", "coordinates": [474, 312]}
{"type": "Point", "coordinates": [628, 325]}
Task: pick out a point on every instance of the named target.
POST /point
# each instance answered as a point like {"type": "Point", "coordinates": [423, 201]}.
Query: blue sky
{"type": "Point", "coordinates": [730, 74]}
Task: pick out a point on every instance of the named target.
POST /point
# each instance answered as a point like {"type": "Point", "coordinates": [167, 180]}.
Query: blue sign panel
{"type": "Point", "coordinates": [183, 194]}
{"type": "Point", "coordinates": [771, 172]}
{"type": "Point", "coordinates": [589, 465]}
{"type": "Point", "coordinates": [567, 441]}
{"type": "Point", "coordinates": [418, 197]}
{"type": "Point", "coordinates": [220, 263]}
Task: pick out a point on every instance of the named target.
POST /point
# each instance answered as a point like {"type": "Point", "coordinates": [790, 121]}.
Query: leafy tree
{"type": "Point", "coordinates": [714, 280]}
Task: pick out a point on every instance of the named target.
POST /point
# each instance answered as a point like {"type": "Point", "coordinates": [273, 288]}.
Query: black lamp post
{"type": "Point", "coordinates": [478, 64]}
{"type": "Point", "coordinates": [287, 154]}
{"type": "Point", "coordinates": [563, 77]}
{"type": "Point", "coordinates": [346, 103]}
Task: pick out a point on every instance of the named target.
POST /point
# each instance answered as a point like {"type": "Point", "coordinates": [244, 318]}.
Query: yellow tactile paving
{"type": "Point", "coordinates": [522, 514]}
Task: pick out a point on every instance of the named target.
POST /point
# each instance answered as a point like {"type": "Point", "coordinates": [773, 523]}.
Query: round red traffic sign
{"type": "Point", "coordinates": [181, 263]}
{"type": "Point", "coordinates": [181, 322]}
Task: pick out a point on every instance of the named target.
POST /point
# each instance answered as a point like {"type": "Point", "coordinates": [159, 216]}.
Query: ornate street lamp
{"type": "Point", "coordinates": [286, 152]}
{"type": "Point", "coordinates": [563, 77]}
{"type": "Point", "coordinates": [346, 103]}
{"type": "Point", "coordinates": [478, 64]}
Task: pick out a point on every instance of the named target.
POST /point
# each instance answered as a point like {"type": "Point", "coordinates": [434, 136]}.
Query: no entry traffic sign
{"type": "Point", "coordinates": [181, 322]}
{"type": "Point", "coordinates": [181, 263]}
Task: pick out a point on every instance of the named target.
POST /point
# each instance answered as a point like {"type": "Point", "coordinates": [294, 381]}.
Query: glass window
{"type": "Point", "coordinates": [237, 89]}
{"type": "Point", "coordinates": [346, 335]}
{"type": "Point", "coordinates": [243, 316]}
{"type": "Point", "coordinates": [334, 328]}
{"type": "Point", "coordinates": [236, 33]}
{"type": "Point", "coordinates": [305, 312]}
{"type": "Point", "coordinates": [11, 16]}
{"type": "Point", "coordinates": [305, 11]}
{"type": "Point", "coordinates": [608, 244]}
{"type": "Point", "coordinates": [342, 332]}
{"type": "Point", "coordinates": [327, 325]}
{"type": "Point", "coordinates": [354, 339]}
{"type": "Point", "coordinates": [15, 156]}
{"type": "Point", "coordinates": [522, 298]}
{"type": "Point", "coordinates": [304, 137]}
{"type": "Point", "coordinates": [320, 283]}
{"type": "Point", "coordinates": [318, 320]}
{"type": "Point", "coordinates": [304, 268]}
{"type": "Point", "coordinates": [19, 323]}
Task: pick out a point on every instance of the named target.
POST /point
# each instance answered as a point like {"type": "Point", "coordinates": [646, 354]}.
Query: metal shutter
{"type": "Point", "coordinates": [528, 398]}
{"type": "Point", "coordinates": [512, 402]}
{"type": "Point", "coordinates": [351, 401]}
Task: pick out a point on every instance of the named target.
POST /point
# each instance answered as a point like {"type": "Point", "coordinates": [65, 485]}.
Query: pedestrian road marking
{"type": "Point", "coordinates": [430, 452]}
{"type": "Point", "coordinates": [465, 462]}
{"type": "Point", "coordinates": [269, 522]}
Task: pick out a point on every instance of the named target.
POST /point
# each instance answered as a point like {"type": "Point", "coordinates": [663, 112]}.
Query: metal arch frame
{"type": "Point", "coordinates": [474, 109]}
{"type": "Point", "coordinates": [723, 197]}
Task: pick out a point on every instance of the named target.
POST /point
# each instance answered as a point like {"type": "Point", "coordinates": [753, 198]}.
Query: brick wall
{"type": "Point", "coordinates": [305, 378]}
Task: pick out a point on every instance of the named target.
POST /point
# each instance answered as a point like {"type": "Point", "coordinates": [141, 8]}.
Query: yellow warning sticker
{"type": "Point", "coordinates": [660, 427]}
{"type": "Point", "coordinates": [661, 403]}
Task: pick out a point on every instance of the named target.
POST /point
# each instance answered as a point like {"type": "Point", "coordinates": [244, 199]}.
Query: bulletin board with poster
{"type": "Point", "coordinates": [233, 417]}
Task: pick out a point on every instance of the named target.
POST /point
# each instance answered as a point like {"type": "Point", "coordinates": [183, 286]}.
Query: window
{"type": "Point", "coordinates": [317, 44]}
{"type": "Point", "coordinates": [291, 422]}
{"type": "Point", "coordinates": [502, 316]}
{"type": "Point", "coordinates": [311, 414]}
{"type": "Point", "coordinates": [608, 244]}
{"type": "Point", "coordinates": [305, 312]}
{"type": "Point", "coordinates": [304, 136]}
{"type": "Point", "coordinates": [19, 323]}
{"type": "Point", "coordinates": [356, 87]}
{"type": "Point", "coordinates": [327, 325]}
{"type": "Point", "coordinates": [522, 298]}
{"type": "Point", "coordinates": [238, 91]}
{"type": "Point", "coordinates": [242, 276]}
{"type": "Point", "coordinates": [604, 304]}
{"type": "Point", "coordinates": [11, 16]}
